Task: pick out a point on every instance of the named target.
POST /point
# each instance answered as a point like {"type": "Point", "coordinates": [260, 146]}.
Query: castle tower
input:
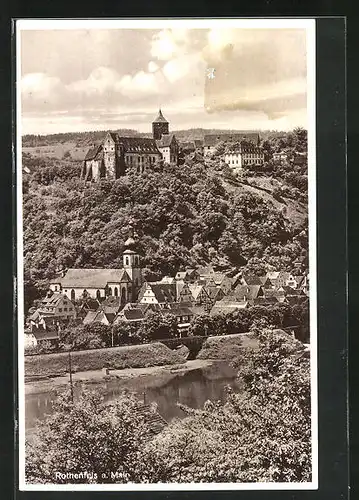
{"type": "Point", "coordinates": [132, 265]}
{"type": "Point", "coordinates": [160, 126]}
{"type": "Point", "coordinates": [110, 156]}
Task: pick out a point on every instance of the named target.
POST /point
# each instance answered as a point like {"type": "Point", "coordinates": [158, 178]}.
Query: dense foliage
{"type": "Point", "coordinates": [260, 434]}
{"type": "Point", "coordinates": [184, 216]}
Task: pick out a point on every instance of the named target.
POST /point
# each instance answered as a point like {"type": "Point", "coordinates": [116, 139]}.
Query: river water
{"type": "Point", "coordinates": [192, 388]}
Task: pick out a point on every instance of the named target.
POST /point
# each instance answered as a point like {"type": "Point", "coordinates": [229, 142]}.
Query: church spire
{"type": "Point", "coordinates": [130, 242]}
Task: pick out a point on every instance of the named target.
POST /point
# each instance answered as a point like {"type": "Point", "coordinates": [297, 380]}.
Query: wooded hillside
{"type": "Point", "coordinates": [188, 215]}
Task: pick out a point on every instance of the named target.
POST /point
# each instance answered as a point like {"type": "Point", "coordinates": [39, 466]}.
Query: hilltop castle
{"type": "Point", "coordinates": [116, 154]}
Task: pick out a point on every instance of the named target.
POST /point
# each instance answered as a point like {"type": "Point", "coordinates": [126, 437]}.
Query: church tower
{"type": "Point", "coordinates": [160, 126]}
{"type": "Point", "coordinates": [132, 265]}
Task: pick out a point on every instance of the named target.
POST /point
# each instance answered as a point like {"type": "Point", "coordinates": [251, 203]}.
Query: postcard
{"type": "Point", "coordinates": [166, 254]}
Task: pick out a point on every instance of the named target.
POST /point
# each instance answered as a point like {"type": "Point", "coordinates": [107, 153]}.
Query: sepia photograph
{"type": "Point", "coordinates": [166, 254]}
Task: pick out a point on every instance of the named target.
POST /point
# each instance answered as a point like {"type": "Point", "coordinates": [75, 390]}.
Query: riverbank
{"type": "Point", "coordinates": [41, 366]}
{"type": "Point", "coordinates": [98, 376]}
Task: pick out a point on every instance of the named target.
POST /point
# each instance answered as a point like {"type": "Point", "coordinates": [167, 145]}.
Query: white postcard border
{"type": "Point", "coordinates": [64, 24]}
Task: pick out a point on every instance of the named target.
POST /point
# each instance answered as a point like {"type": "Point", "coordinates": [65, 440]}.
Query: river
{"type": "Point", "coordinates": [191, 387]}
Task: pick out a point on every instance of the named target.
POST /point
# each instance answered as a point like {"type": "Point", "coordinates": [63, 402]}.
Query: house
{"type": "Point", "coordinates": [115, 154]}
{"type": "Point", "coordinates": [281, 278]}
{"type": "Point", "coordinates": [280, 157]}
{"type": "Point", "coordinates": [214, 292]}
{"type": "Point", "coordinates": [168, 279]}
{"type": "Point", "coordinates": [200, 296]}
{"type": "Point", "coordinates": [212, 140]}
{"type": "Point", "coordinates": [183, 292]}
{"type": "Point", "coordinates": [157, 292]}
{"type": "Point", "coordinates": [265, 301]}
{"type": "Point", "coordinates": [54, 309]}
{"type": "Point", "coordinates": [187, 147]}
{"type": "Point", "coordinates": [228, 305]}
{"type": "Point", "coordinates": [132, 313]}
{"type": "Point", "coordinates": [223, 282]}
{"type": "Point", "coordinates": [39, 335]}
{"type": "Point", "coordinates": [168, 147]}
{"type": "Point", "coordinates": [300, 159]}
{"type": "Point", "coordinates": [99, 316]}
{"type": "Point", "coordinates": [184, 315]}
{"type": "Point", "coordinates": [205, 272]}
{"type": "Point", "coordinates": [252, 280]}
{"type": "Point", "coordinates": [278, 293]}
{"type": "Point", "coordinates": [243, 154]}
{"type": "Point", "coordinates": [189, 275]}
{"type": "Point", "coordinates": [88, 304]}
{"type": "Point", "coordinates": [247, 292]}
{"type": "Point", "coordinates": [100, 283]}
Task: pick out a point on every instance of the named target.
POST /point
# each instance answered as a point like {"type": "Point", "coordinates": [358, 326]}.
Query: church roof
{"type": "Point", "coordinates": [165, 140]}
{"type": "Point", "coordinates": [138, 144]}
{"type": "Point", "coordinates": [129, 242]}
{"type": "Point", "coordinates": [93, 278]}
{"type": "Point", "coordinates": [160, 118]}
{"type": "Point", "coordinates": [92, 152]}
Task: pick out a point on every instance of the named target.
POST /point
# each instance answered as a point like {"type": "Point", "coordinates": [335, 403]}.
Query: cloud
{"type": "Point", "coordinates": [152, 67]}
{"type": "Point", "coordinates": [142, 83]}
{"type": "Point", "coordinates": [169, 43]}
{"type": "Point", "coordinates": [100, 80]}
{"type": "Point", "coordinates": [124, 75]}
{"type": "Point", "coordinates": [39, 85]}
{"type": "Point", "coordinates": [183, 66]}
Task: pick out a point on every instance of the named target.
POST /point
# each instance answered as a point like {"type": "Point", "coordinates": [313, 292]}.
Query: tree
{"type": "Point", "coordinates": [262, 434]}
{"type": "Point", "coordinates": [89, 438]}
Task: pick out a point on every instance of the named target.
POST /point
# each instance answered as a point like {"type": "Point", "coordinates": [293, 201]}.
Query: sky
{"type": "Point", "coordinates": [102, 79]}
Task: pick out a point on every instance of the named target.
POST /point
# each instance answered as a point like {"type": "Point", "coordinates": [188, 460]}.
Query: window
{"type": "Point", "coordinates": [127, 261]}
{"type": "Point", "coordinates": [65, 309]}
{"type": "Point", "coordinates": [98, 294]}
{"type": "Point", "coordinates": [116, 291]}
{"type": "Point", "coordinates": [73, 295]}
{"type": "Point", "coordinates": [70, 308]}
{"type": "Point", "coordinates": [60, 309]}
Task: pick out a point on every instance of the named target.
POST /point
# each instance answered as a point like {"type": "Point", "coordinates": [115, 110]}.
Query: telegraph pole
{"type": "Point", "coordinates": [70, 373]}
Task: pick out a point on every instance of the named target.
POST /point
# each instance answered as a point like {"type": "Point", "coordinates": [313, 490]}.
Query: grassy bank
{"type": "Point", "coordinates": [138, 356]}
{"type": "Point", "coordinates": [228, 347]}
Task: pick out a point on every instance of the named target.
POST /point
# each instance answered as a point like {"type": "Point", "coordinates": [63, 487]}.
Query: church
{"type": "Point", "coordinates": [115, 155]}
{"type": "Point", "coordinates": [99, 284]}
